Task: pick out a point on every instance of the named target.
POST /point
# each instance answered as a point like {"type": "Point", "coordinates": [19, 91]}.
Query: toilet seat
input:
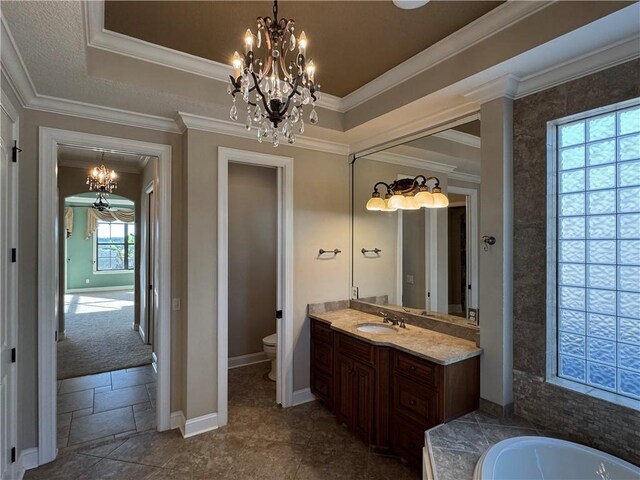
{"type": "Point", "coordinates": [271, 340]}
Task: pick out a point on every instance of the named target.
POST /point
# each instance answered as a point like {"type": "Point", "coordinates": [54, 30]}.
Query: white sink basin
{"type": "Point", "coordinates": [375, 328]}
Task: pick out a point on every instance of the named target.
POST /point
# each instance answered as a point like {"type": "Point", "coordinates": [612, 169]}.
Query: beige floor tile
{"type": "Point", "coordinates": [122, 397]}
{"type": "Point", "coordinates": [63, 468]}
{"type": "Point", "coordinates": [116, 470]}
{"type": "Point", "coordinates": [84, 383]}
{"type": "Point", "coordinates": [153, 448]}
{"type": "Point", "coordinates": [70, 402]}
{"type": "Point", "coordinates": [101, 425]}
{"type": "Point", "coordinates": [124, 379]}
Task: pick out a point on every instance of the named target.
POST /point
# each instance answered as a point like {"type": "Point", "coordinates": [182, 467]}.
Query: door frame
{"type": "Point", "coordinates": [284, 390]}
{"type": "Point", "coordinates": [145, 245]}
{"type": "Point", "coordinates": [472, 241]}
{"type": "Point", "coordinates": [12, 278]}
{"type": "Point", "coordinates": [48, 272]}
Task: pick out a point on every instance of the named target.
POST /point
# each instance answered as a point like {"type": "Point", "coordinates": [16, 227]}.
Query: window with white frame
{"type": "Point", "coordinates": [114, 247]}
{"type": "Point", "coordinates": [596, 170]}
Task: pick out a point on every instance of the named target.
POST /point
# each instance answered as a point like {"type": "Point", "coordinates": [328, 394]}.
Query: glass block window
{"type": "Point", "coordinates": [598, 250]}
{"type": "Point", "coordinates": [115, 246]}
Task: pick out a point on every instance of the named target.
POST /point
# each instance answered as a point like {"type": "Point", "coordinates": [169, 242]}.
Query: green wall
{"type": "Point", "coordinates": [80, 259]}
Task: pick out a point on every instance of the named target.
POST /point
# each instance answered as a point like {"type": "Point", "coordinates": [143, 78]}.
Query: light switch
{"type": "Point", "coordinates": [410, 279]}
{"type": "Point", "coordinates": [175, 304]}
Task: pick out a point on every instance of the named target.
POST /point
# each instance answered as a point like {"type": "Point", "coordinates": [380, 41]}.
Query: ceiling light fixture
{"type": "Point", "coordinates": [102, 180]}
{"type": "Point", "coordinates": [408, 194]}
{"type": "Point", "coordinates": [281, 86]}
{"type": "Point", "coordinates": [410, 4]}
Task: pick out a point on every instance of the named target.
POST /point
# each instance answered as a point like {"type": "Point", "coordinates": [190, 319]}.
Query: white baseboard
{"type": "Point", "coordinates": [99, 289]}
{"type": "Point", "coordinates": [198, 425]}
{"type": "Point", "coordinates": [250, 359]}
{"type": "Point", "coordinates": [303, 396]}
{"type": "Point", "coordinates": [178, 421]}
{"type": "Point", "coordinates": [27, 460]}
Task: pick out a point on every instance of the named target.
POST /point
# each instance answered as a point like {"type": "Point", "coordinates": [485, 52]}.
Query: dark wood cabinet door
{"type": "Point", "coordinates": [343, 390]}
{"type": "Point", "coordinates": [364, 400]}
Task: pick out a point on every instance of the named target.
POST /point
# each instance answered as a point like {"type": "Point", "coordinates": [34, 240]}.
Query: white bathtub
{"type": "Point", "coordinates": [542, 458]}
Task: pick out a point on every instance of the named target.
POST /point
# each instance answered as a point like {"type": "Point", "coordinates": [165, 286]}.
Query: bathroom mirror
{"type": "Point", "coordinates": [424, 254]}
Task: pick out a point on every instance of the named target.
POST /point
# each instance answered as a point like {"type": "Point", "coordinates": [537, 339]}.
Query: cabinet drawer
{"type": "Point", "coordinates": [322, 388]}
{"type": "Point", "coordinates": [413, 367]}
{"type": "Point", "coordinates": [322, 356]}
{"type": "Point", "coordinates": [355, 349]}
{"type": "Point", "coordinates": [321, 331]}
{"type": "Point", "coordinates": [415, 401]}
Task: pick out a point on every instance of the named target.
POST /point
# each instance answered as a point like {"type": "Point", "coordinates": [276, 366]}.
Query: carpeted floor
{"type": "Point", "coordinates": [99, 337]}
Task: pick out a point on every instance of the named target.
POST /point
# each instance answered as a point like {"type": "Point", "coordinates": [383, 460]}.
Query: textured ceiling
{"type": "Point", "coordinates": [351, 42]}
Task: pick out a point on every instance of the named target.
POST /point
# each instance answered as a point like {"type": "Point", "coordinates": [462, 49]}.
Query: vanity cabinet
{"type": "Point", "coordinates": [386, 396]}
{"type": "Point", "coordinates": [322, 362]}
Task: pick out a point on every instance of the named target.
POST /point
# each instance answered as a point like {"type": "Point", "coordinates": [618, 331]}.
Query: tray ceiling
{"type": "Point", "coordinates": [349, 41]}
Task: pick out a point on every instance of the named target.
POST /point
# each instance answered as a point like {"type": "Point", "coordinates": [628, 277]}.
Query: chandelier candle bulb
{"type": "Point", "coordinates": [302, 43]}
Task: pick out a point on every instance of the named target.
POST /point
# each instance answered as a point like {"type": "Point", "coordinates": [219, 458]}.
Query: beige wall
{"type": "Point", "coordinates": [413, 259]}
{"type": "Point", "coordinates": [28, 199]}
{"type": "Point", "coordinates": [321, 220]}
{"type": "Point", "coordinates": [253, 248]}
{"type": "Point", "coordinates": [72, 181]}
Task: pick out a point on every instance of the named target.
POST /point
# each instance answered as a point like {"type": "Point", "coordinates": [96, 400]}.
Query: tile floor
{"type": "Point", "coordinates": [456, 446]}
{"type": "Point", "coordinates": [108, 432]}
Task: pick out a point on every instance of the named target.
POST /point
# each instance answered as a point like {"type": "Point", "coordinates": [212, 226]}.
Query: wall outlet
{"type": "Point", "coordinates": [354, 292]}
{"type": "Point", "coordinates": [410, 279]}
{"type": "Point", "coordinates": [86, 280]}
{"type": "Point", "coordinates": [175, 304]}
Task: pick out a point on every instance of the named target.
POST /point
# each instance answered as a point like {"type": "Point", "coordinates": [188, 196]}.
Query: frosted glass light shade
{"type": "Point", "coordinates": [440, 200]}
{"type": "Point", "coordinates": [387, 208]}
{"type": "Point", "coordinates": [397, 202]}
{"type": "Point", "coordinates": [375, 203]}
{"type": "Point", "coordinates": [410, 203]}
{"type": "Point", "coordinates": [424, 199]}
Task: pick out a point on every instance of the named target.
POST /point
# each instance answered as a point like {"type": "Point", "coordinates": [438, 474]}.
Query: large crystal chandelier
{"type": "Point", "coordinates": [102, 180]}
{"type": "Point", "coordinates": [274, 87]}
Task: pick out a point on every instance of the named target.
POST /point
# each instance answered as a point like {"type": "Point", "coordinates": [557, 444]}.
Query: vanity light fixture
{"type": "Point", "coordinates": [281, 87]}
{"type": "Point", "coordinates": [408, 194]}
{"type": "Point", "coordinates": [102, 180]}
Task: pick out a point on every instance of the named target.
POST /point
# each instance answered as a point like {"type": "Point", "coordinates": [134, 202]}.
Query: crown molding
{"type": "Point", "coordinates": [464, 177]}
{"type": "Point", "coordinates": [98, 37]}
{"type": "Point", "coordinates": [592, 62]}
{"type": "Point", "coordinates": [504, 86]}
{"type": "Point", "coordinates": [45, 103]}
{"type": "Point", "coordinates": [13, 66]}
{"type": "Point", "coordinates": [225, 127]}
{"type": "Point", "coordinates": [413, 162]}
{"type": "Point", "coordinates": [493, 22]}
{"type": "Point", "coordinates": [459, 137]}
{"type": "Point", "coordinates": [504, 16]}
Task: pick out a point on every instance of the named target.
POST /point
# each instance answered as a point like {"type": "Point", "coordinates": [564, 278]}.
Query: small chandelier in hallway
{"type": "Point", "coordinates": [280, 87]}
{"type": "Point", "coordinates": [102, 180]}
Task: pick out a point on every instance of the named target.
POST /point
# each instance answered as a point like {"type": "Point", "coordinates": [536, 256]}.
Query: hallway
{"type": "Point", "coordinates": [99, 336]}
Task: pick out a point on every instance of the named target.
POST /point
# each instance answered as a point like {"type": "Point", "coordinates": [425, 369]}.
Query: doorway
{"type": "Point", "coordinates": [284, 272]}
{"type": "Point", "coordinates": [100, 268]}
{"type": "Point", "coordinates": [50, 140]}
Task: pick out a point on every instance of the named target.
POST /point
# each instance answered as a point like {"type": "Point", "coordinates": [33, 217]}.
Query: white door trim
{"type": "Point", "coordinates": [48, 271]}
{"type": "Point", "coordinates": [472, 240]}
{"type": "Point", "coordinates": [11, 277]}
{"type": "Point", "coordinates": [285, 326]}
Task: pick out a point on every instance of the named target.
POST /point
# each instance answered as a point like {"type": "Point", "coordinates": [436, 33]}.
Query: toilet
{"type": "Point", "coordinates": [270, 347]}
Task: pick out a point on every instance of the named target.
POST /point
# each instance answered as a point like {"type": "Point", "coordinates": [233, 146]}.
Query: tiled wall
{"type": "Point", "coordinates": [585, 419]}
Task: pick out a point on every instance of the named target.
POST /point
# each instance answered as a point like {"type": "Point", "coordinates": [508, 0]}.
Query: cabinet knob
{"type": "Point", "coordinates": [412, 402]}
{"type": "Point", "coordinates": [412, 367]}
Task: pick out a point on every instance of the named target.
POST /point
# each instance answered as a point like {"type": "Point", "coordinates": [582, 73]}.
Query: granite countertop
{"type": "Point", "coordinates": [433, 346]}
